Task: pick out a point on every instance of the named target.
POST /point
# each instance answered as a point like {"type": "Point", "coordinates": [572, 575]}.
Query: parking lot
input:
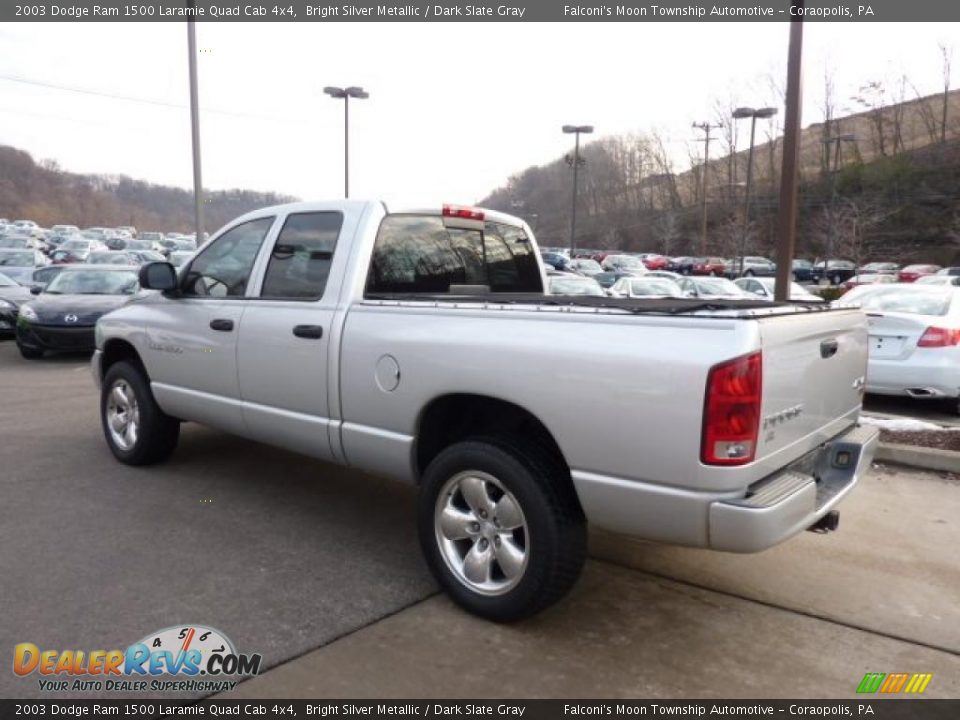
{"type": "Point", "coordinates": [318, 569]}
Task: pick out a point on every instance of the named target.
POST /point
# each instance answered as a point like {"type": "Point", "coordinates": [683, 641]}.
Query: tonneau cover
{"type": "Point", "coordinates": [668, 306]}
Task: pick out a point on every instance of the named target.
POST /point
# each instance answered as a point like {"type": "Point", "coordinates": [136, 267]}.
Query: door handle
{"type": "Point", "coordinates": [221, 324]}
{"type": "Point", "coordinates": [828, 348]}
{"type": "Point", "coordinates": [311, 332]}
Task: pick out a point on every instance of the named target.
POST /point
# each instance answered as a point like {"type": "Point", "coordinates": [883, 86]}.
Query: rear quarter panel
{"type": "Point", "coordinates": [622, 395]}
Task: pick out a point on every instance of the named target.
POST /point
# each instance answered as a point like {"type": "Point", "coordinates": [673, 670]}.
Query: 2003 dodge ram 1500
{"type": "Point", "coordinates": [421, 345]}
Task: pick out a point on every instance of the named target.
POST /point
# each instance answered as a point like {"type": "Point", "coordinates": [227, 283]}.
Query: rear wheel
{"type": "Point", "coordinates": [30, 353]}
{"type": "Point", "coordinates": [501, 527]}
{"type": "Point", "coordinates": [748, 273]}
{"type": "Point", "coordinates": [835, 280]}
{"type": "Point", "coordinates": [137, 431]}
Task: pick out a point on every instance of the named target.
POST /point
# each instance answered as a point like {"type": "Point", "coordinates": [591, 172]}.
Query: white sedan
{"type": "Point", "coordinates": [914, 339]}
{"type": "Point", "coordinates": [764, 288]}
{"type": "Point", "coordinates": [635, 287]}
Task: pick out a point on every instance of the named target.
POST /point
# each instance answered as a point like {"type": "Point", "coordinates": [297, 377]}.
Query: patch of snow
{"type": "Point", "coordinates": [902, 424]}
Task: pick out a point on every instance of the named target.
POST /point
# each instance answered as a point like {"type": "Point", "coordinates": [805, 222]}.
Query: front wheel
{"type": "Point", "coordinates": [501, 527]}
{"type": "Point", "coordinates": [137, 431]}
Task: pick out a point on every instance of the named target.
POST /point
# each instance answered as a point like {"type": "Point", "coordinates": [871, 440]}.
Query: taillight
{"type": "Point", "coordinates": [939, 337]}
{"type": "Point", "coordinates": [731, 413]}
{"type": "Point", "coordinates": [462, 212]}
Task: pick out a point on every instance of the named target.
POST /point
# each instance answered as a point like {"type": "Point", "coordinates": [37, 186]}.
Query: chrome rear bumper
{"type": "Point", "coordinates": [792, 500]}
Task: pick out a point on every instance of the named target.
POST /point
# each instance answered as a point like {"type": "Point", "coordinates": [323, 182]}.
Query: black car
{"type": "Point", "coordinates": [12, 296]}
{"type": "Point", "coordinates": [683, 265]}
{"type": "Point", "coordinates": [557, 261]}
{"type": "Point", "coordinates": [63, 316]}
{"type": "Point", "coordinates": [802, 270]}
{"type": "Point", "coordinates": [836, 271]}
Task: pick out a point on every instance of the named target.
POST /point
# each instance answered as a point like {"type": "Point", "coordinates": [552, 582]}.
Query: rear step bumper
{"type": "Point", "coordinates": [794, 499]}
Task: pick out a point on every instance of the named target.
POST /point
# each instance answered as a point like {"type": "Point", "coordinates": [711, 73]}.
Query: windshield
{"type": "Point", "coordinates": [935, 280]}
{"type": "Point", "coordinates": [718, 286]}
{"type": "Point", "coordinates": [575, 286]}
{"type": "Point", "coordinates": [109, 259]}
{"type": "Point", "coordinates": [908, 299]}
{"type": "Point", "coordinates": [655, 286]}
{"type": "Point", "coordinates": [6, 282]}
{"type": "Point", "coordinates": [138, 245]}
{"type": "Point", "coordinates": [628, 261]}
{"type": "Point", "coordinates": [151, 236]}
{"type": "Point", "coordinates": [94, 282]}
{"type": "Point", "coordinates": [14, 243]}
{"type": "Point", "coordinates": [17, 259]}
{"type": "Point", "coordinates": [591, 266]}
{"type": "Point", "coordinates": [75, 245]}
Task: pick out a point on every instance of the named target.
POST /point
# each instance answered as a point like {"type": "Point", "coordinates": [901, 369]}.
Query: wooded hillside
{"type": "Point", "coordinates": [890, 191]}
{"type": "Point", "coordinates": [46, 194]}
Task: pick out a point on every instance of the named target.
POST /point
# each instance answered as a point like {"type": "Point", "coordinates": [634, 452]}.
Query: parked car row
{"type": "Point", "coordinates": [835, 271]}
{"type": "Point", "coordinates": [26, 234]}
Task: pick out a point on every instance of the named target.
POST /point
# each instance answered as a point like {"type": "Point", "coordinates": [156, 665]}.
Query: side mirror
{"type": "Point", "coordinates": [36, 289]}
{"type": "Point", "coordinates": [158, 276]}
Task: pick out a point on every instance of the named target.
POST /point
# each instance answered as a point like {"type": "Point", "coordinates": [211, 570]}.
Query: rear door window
{"type": "Point", "coordinates": [300, 260]}
{"type": "Point", "coordinates": [420, 255]}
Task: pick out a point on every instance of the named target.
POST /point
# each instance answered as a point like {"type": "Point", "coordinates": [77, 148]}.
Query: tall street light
{"type": "Point", "coordinates": [575, 130]}
{"type": "Point", "coordinates": [753, 114]}
{"type": "Point", "coordinates": [195, 127]}
{"type": "Point", "coordinates": [345, 94]}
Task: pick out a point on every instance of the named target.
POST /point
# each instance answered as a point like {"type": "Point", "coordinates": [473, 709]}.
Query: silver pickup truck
{"type": "Point", "coordinates": [421, 345]}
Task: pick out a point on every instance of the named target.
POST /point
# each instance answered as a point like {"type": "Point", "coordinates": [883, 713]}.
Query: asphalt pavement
{"type": "Point", "coordinates": [281, 553]}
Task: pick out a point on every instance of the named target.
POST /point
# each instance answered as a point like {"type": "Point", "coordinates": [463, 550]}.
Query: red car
{"type": "Point", "coordinates": [710, 266]}
{"type": "Point", "coordinates": [655, 262]}
{"type": "Point", "coordinates": [914, 272]}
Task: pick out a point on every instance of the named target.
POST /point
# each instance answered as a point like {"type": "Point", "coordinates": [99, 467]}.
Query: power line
{"type": "Point", "coordinates": [135, 99]}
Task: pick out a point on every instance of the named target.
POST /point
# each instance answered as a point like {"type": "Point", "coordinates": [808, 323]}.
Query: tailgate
{"type": "Point", "coordinates": [814, 371]}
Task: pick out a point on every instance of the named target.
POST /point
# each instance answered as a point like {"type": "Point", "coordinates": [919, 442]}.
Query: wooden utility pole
{"type": "Point", "coordinates": [706, 127]}
{"type": "Point", "coordinates": [787, 215]}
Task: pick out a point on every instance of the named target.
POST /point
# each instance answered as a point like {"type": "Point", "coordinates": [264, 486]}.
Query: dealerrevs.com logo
{"type": "Point", "coordinates": [183, 658]}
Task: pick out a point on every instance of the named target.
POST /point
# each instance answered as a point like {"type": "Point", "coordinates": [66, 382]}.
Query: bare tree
{"type": "Point", "coordinates": [873, 97]}
{"type": "Point", "coordinates": [667, 231]}
{"type": "Point", "coordinates": [946, 53]}
{"type": "Point", "coordinates": [927, 114]}
{"type": "Point", "coordinates": [857, 219]}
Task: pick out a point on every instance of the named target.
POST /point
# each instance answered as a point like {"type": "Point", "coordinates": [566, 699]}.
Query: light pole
{"type": "Point", "coordinates": [195, 128]}
{"type": "Point", "coordinates": [753, 114]}
{"type": "Point", "coordinates": [345, 94]}
{"type": "Point", "coordinates": [575, 130]}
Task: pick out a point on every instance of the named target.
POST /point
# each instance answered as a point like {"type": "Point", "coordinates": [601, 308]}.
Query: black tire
{"type": "Point", "coordinates": [835, 280]}
{"type": "Point", "coordinates": [30, 353]}
{"type": "Point", "coordinates": [557, 541]}
{"type": "Point", "coordinates": [748, 273]}
{"type": "Point", "coordinates": [158, 432]}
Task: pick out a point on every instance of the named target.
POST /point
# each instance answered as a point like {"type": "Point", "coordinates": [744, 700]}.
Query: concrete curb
{"type": "Point", "coordinates": [919, 457]}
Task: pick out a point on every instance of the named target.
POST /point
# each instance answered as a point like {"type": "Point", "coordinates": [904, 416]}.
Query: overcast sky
{"type": "Point", "coordinates": [454, 108]}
